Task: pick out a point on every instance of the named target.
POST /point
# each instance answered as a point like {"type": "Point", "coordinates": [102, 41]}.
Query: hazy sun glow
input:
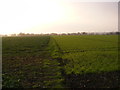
{"type": "Point", "coordinates": [57, 16]}
{"type": "Point", "coordinates": [22, 15]}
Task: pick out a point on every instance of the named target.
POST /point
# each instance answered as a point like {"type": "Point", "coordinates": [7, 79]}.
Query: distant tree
{"type": "Point", "coordinates": [13, 35]}
{"type": "Point", "coordinates": [53, 34]}
{"type": "Point", "coordinates": [68, 33]}
{"type": "Point", "coordinates": [63, 34]}
{"type": "Point", "coordinates": [118, 33]}
{"type": "Point", "coordinates": [21, 34]}
{"type": "Point", "coordinates": [110, 33]}
{"type": "Point", "coordinates": [27, 34]}
{"type": "Point", "coordinates": [78, 33]}
{"type": "Point", "coordinates": [84, 33]}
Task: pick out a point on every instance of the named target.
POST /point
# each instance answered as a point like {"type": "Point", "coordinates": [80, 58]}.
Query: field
{"type": "Point", "coordinates": [66, 61]}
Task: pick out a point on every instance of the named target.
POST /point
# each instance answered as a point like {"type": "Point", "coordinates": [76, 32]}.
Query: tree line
{"type": "Point", "coordinates": [78, 33]}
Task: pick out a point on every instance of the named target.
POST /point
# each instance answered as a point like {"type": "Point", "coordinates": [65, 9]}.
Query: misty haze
{"type": "Point", "coordinates": [58, 44]}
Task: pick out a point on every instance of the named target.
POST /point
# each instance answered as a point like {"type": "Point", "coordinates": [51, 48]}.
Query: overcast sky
{"type": "Point", "coordinates": [52, 16]}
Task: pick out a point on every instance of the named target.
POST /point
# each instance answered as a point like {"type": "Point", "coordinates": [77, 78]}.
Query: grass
{"type": "Point", "coordinates": [56, 61]}
{"type": "Point", "coordinates": [27, 63]}
{"type": "Point", "coordinates": [91, 61]}
{"type": "Point", "coordinates": [87, 42]}
{"type": "Point", "coordinates": [89, 53]}
{"type": "Point", "coordinates": [89, 57]}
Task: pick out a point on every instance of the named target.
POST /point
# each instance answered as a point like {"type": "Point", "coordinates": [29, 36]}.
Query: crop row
{"type": "Point", "coordinates": [89, 42]}
{"type": "Point", "coordinates": [89, 53]}
{"type": "Point", "coordinates": [28, 63]}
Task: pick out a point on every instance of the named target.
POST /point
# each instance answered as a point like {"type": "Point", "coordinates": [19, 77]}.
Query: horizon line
{"type": "Point", "coordinates": [60, 33]}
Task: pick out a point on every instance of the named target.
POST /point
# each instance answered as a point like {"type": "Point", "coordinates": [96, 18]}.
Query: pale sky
{"type": "Point", "coordinates": [57, 16]}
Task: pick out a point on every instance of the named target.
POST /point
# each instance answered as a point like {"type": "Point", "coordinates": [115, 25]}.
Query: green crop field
{"type": "Point", "coordinates": [27, 63]}
{"type": "Point", "coordinates": [60, 61]}
{"type": "Point", "coordinates": [89, 53]}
